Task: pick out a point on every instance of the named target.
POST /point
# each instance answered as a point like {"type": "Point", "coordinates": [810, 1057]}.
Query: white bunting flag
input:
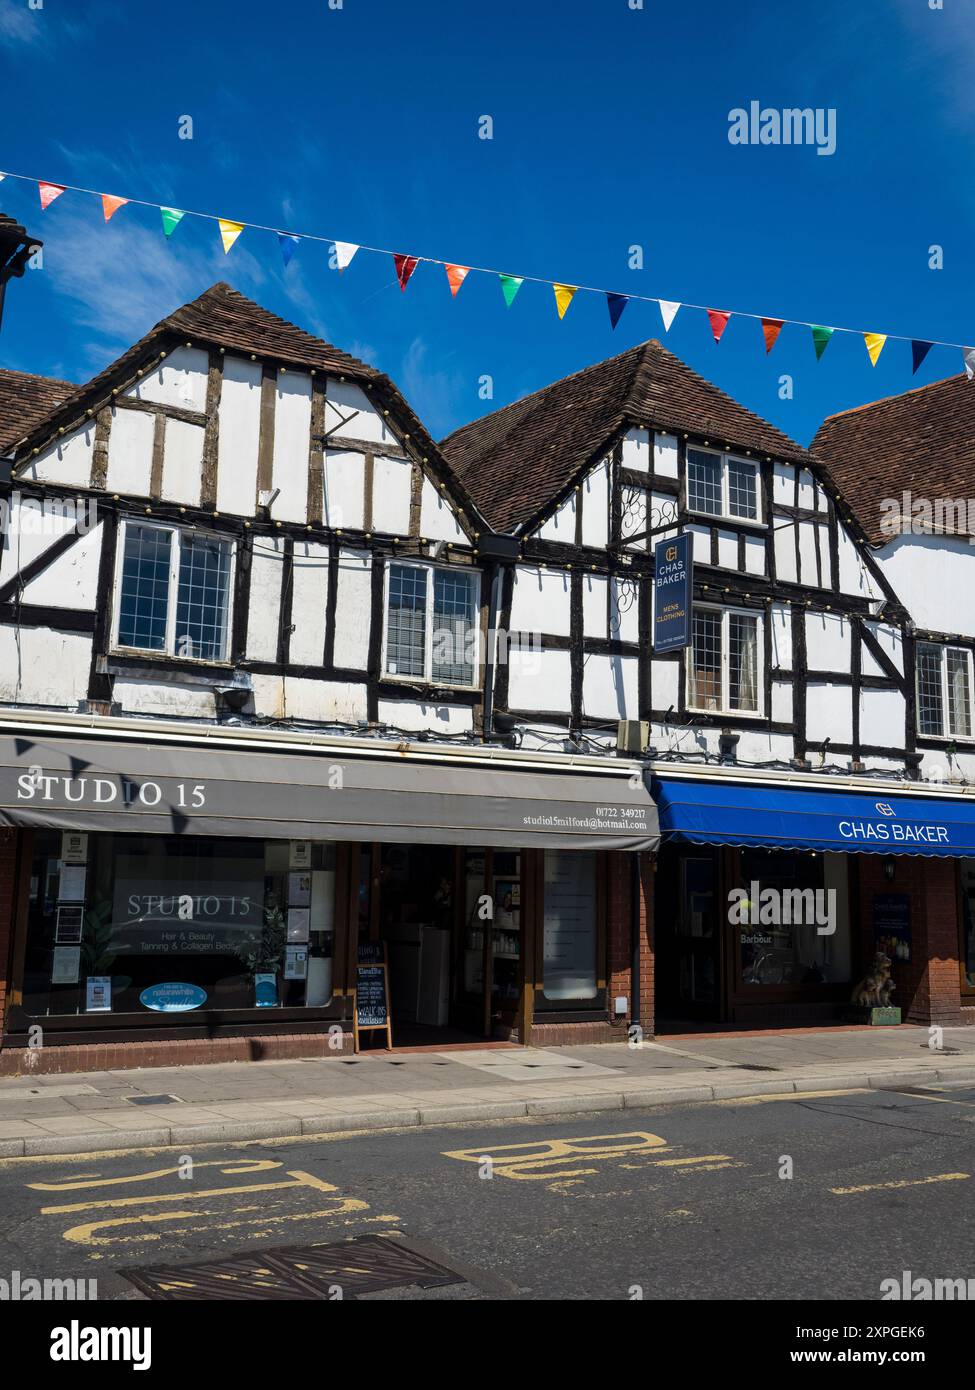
{"type": "Point", "coordinates": [344, 251]}
{"type": "Point", "coordinates": [969, 355]}
{"type": "Point", "coordinates": [668, 312]}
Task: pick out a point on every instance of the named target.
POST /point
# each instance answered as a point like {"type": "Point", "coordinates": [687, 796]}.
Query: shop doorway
{"type": "Point", "coordinates": [449, 921]}
{"type": "Point", "coordinates": [688, 935]}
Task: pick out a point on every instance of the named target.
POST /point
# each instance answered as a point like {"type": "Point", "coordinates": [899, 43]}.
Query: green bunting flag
{"type": "Point", "coordinates": [510, 285]}
{"type": "Point", "coordinates": [821, 337]}
{"type": "Point", "coordinates": [171, 218]}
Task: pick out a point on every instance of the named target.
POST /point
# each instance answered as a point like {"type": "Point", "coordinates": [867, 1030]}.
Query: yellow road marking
{"type": "Point", "coordinates": [244, 1165]}
{"type": "Point", "coordinates": [298, 1179]}
{"type": "Point", "coordinates": [796, 1095]}
{"type": "Point", "coordinates": [902, 1182]}
{"type": "Point", "coordinates": [944, 1100]}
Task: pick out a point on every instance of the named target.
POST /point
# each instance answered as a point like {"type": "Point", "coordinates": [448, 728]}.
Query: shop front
{"type": "Point", "coordinates": [200, 889]}
{"type": "Point", "coordinates": [773, 900]}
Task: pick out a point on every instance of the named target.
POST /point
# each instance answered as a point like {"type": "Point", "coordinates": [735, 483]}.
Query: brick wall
{"type": "Point", "coordinates": [186, 1052]}
{"type": "Point", "coordinates": [928, 985]}
{"type": "Point", "coordinates": [8, 884]}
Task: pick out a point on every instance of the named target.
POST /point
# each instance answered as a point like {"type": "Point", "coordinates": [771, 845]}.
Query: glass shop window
{"type": "Point", "coordinates": [570, 927]}
{"type": "Point", "coordinates": [791, 912]}
{"type": "Point", "coordinates": [156, 924]}
{"type": "Point", "coordinates": [968, 926]}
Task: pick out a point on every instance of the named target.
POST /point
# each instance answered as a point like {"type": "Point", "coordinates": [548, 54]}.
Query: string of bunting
{"type": "Point", "coordinates": [343, 253]}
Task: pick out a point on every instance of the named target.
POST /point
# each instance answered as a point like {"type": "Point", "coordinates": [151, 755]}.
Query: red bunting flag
{"type": "Point", "coordinates": [719, 322]}
{"type": "Point", "coordinates": [48, 192]}
{"type": "Point", "coordinates": [456, 275]}
{"type": "Point", "coordinates": [110, 205]}
{"type": "Point", "coordinates": [405, 266]}
{"type": "Point", "coordinates": [771, 328]}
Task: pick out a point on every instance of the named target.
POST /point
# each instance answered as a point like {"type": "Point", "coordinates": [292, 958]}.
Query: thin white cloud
{"type": "Point", "coordinates": [18, 24]}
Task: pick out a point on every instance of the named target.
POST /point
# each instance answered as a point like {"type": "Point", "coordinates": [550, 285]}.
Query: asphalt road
{"type": "Point", "coordinates": [669, 1203]}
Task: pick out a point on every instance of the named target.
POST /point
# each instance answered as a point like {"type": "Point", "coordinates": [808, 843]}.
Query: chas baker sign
{"type": "Point", "coordinates": [672, 589]}
{"type": "Point", "coordinates": [892, 831]}
{"type": "Point", "coordinates": [60, 788]}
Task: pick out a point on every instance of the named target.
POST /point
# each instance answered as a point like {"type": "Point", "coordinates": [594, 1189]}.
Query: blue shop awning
{"type": "Point", "coordinates": [770, 817]}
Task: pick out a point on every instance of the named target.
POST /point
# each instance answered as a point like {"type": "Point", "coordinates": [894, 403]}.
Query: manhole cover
{"type": "Point", "coordinates": [367, 1264]}
{"type": "Point", "coordinates": [153, 1100]}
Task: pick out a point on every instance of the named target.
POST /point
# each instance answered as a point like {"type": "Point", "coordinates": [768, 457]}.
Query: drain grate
{"type": "Point", "coordinates": [154, 1100]}
{"type": "Point", "coordinates": [366, 1264]}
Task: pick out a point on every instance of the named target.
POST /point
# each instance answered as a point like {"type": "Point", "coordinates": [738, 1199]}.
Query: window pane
{"type": "Point", "coordinates": [705, 692]}
{"type": "Point", "coordinates": [742, 662]}
{"type": "Point", "coordinates": [454, 640]}
{"type": "Point", "coordinates": [406, 621]}
{"type": "Point", "coordinates": [204, 593]}
{"type": "Point", "coordinates": [930, 709]}
{"type": "Point", "coordinates": [569, 935]}
{"type": "Point", "coordinates": [703, 482]}
{"type": "Point", "coordinates": [959, 695]}
{"type": "Point", "coordinates": [144, 592]}
{"type": "Point", "coordinates": [742, 489]}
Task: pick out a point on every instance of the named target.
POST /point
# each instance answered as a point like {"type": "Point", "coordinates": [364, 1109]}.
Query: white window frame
{"type": "Point", "coordinates": [726, 514]}
{"type": "Point", "coordinates": [725, 706]}
{"type": "Point", "coordinates": [427, 678]}
{"type": "Point", "coordinates": [169, 651]}
{"type": "Point", "coordinates": [943, 648]}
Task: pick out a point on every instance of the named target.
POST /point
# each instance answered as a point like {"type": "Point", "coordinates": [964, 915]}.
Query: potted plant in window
{"type": "Point", "coordinates": [263, 956]}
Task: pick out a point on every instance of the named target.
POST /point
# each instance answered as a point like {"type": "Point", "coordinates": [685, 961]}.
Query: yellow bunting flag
{"type": "Point", "coordinates": [229, 232]}
{"type": "Point", "coordinates": [110, 205]}
{"type": "Point", "coordinates": [563, 297]}
{"type": "Point", "coordinates": [875, 345]}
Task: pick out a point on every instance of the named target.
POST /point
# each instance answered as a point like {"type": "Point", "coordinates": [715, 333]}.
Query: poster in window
{"type": "Point", "coordinates": [299, 890]}
{"type": "Point", "coordinates": [72, 886]}
{"type": "Point", "coordinates": [299, 922]}
{"type": "Point", "coordinates": [98, 994]}
{"type": "Point", "coordinates": [507, 903]}
{"type": "Point", "coordinates": [70, 924]}
{"type": "Point", "coordinates": [66, 966]}
{"type": "Point", "coordinates": [74, 847]}
{"type": "Point", "coordinates": [300, 854]}
{"type": "Point", "coordinates": [295, 962]}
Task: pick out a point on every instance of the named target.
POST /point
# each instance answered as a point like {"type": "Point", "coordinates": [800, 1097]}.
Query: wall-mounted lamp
{"type": "Point", "coordinates": [890, 869]}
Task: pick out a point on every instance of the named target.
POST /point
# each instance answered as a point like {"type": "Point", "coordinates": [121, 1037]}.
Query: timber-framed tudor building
{"type": "Point", "coordinates": [286, 686]}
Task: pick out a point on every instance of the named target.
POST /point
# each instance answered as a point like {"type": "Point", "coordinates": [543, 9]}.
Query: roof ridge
{"type": "Point", "coordinates": [899, 395]}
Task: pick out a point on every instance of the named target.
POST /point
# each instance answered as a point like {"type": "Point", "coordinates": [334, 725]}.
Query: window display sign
{"type": "Point", "coordinates": [298, 923]}
{"type": "Point", "coordinates": [299, 890]}
{"type": "Point", "coordinates": [71, 888]}
{"type": "Point", "coordinates": [178, 904]}
{"type": "Point", "coordinates": [98, 994]}
{"type": "Point", "coordinates": [892, 924]}
{"type": "Point", "coordinates": [74, 847]}
{"type": "Point", "coordinates": [173, 998]}
{"type": "Point", "coordinates": [66, 965]}
{"type": "Point", "coordinates": [295, 962]}
{"type": "Point", "coordinates": [300, 854]}
{"type": "Point", "coordinates": [70, 924]}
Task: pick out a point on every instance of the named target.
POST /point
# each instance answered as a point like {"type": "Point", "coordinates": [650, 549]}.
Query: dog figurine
{"type": "Point", "coordinates": [876, 987]}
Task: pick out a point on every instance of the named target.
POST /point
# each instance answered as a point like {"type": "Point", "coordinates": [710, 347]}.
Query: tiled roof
{"type": "Point", "coordinates": [922, 442]}
{"type": "Point", "coordinates": [25, 400]}
{"type": "Point", "coordinates": [517, 460]}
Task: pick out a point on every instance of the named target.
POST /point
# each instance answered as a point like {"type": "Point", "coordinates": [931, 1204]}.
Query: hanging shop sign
{"type": "Point", "coordinates": [673, 581]}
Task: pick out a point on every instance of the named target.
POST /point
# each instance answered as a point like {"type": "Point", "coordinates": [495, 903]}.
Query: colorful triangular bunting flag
{"type": "Point", "coordinates": [668, 312]}
{"type": "Point", "coordinates": [564, 294]}
{"type": "Point", "coordinates": [821, 337]}
{"type": "Point", "coordinates": [405, 266]}
{"type": "Point", "coordinates": [919, 350]}
{"type": "Point", "coordinates": [456, 275]}
{"type": "Point", "coordinates": [344, 251]}
{"type": "Point", "coordinates": [616, 304]}
{"type": "Point", "coordinates": [110, 205]}
{"type": "Point", "coordinates": [719, 322]}
{"type": "Point", "coordinates": [968, 356]}
{"type": "Point", "coordinates": [288, 243]}
{"type": "Point", "coordinates": [875, 345]}
{"type": "Point", "coordinates": [771, 328]}
{"type": "Point", "coordinates": [171, 218]}
{"type": "Point", "coordinates": [510, 285]}
{"type": "Point", "coordinates": [229, 232]}
{"type": "Point", "coordinates": [48, 192]}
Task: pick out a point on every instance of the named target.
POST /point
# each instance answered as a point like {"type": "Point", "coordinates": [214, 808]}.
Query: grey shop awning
{"type": "Point", "coordinates": [139, 787]}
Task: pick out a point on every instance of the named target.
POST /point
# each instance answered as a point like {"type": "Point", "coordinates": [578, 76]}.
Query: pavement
{"type": "Point", "coordinates": [163, 1106]}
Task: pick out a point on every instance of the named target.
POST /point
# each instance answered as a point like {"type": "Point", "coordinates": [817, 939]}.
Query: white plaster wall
{"type": "Point", "coordinates": [807, 489]}
{"type": "Point", "coordinates": [180, 380]}
{"type": "Point", "coordinates": [664, 684]}
{"type": "Point", "coordinates": [68, 461]}
{"type": "Point", "coordinates": [595, 506]}
{"type": "Point", "coordinates": [39, 666]}
{"type": "Point", "coordinates": [665, 455]}
{"type": "Point", "coordinates": [414, 716]}
{"type": "Point", "coordinates": [636, 450]}
{"type": "Point", "coordinates": [292, 428]}
{"type": "Point", "coordinates": [754, 555]}
{"type": "Point", "coordinates": [934, 577]}
{"type": "Point", "coordinates": [352, 610]}
{"type": "Point", "coordinates": [891, 640]}
{"type": "Point", "coordinates": [548, 689]}
{"type": "Point", "coordinates": [728, 550]}
{"type": "Point", "coordinates": [780, 618]}
{"type": "Point", "coordinates": [882, 718]}
{"type": "Point", "coordinates": [701, 544]}
{"type": "Point", "coordinates": [853, 574]}
{"type": "Point", "coordinates": [785, 551]}
{"type": "Point", "coordinates": [183, 463]}
{"type": "Point", "coordinates": [829, 712]}
{"type": "Point", "coordinates": [540, 601]}
{"type": "Point", "coordinates": [309, 598]}
{"type": "Point", "coordinates": [391, 495]}
{"type": "Point", "coordinates": [32, 530]}
{"type": "Point", "coordinates": [828, 642]}
{"type": "Point", "coordinates": [71, 581]}
{"type": "Point", "coordinates": [609, 687]}
{"type": "Point", "coordinates": [342, 398]}
{"type": "Point", "coordinates": [784, 484]}
{"type": "Point", "coordinates": [263, 617]}
{"type": "Point", "coordinates": [438, 520]}
{"type": "Point", "coordinates": [561, 525]}
{"type": "Point", "coordinates": [782, 702]}
{"type": "Point", "coordinates": [624, 611]}
{"type": "Point", "coordinates": [238, 437]}
{"type": "Point", "coordinates": [634, 518]}
{"type": "Point", "coordinates": [595, 600]}
{"type": "Point", "coordinates": [808, 567]}
{"type": "Point", "coordinates": [165, 697]}
{"type": "Point", "coordinates": [130, 442]}
{"type": "Point", "coordinates": [344, 500]}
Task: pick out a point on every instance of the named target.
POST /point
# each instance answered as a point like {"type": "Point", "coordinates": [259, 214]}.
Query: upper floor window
{"type": "Point", "coordinates": [173, 591]}
{"type": "Point", "coordinates": [431, 624]}
{"type": "Point", "coordinates": [721, 485]}
{"type": "Point", "coordinates": [944, 691]}
{"type": "Point", "coordinates": [724, 670]}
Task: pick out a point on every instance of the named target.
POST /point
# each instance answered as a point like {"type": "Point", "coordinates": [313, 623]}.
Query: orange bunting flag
{"type": "Point", "coordinates": [405, 266]}
{"type": "Point", "coordinates": [719, 322]}
{"type": "Point", "coordinates": [563, 297]}
{"type": "Point", "coordinates": [771, 328]}
{"type": "Point", "coordinates": [110, 205]}
{"type": "Point", "coordinates": [456, 275]}
{"type": "Point", "coordinates": [875, 345]}
{"type": "Point", "coordinates": [229, 232]}
{"type": "Point", "coordinates": [48, 192]}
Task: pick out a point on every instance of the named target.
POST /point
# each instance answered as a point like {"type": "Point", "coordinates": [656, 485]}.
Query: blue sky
{"type": "Point", "coordinates": [610, 129]}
